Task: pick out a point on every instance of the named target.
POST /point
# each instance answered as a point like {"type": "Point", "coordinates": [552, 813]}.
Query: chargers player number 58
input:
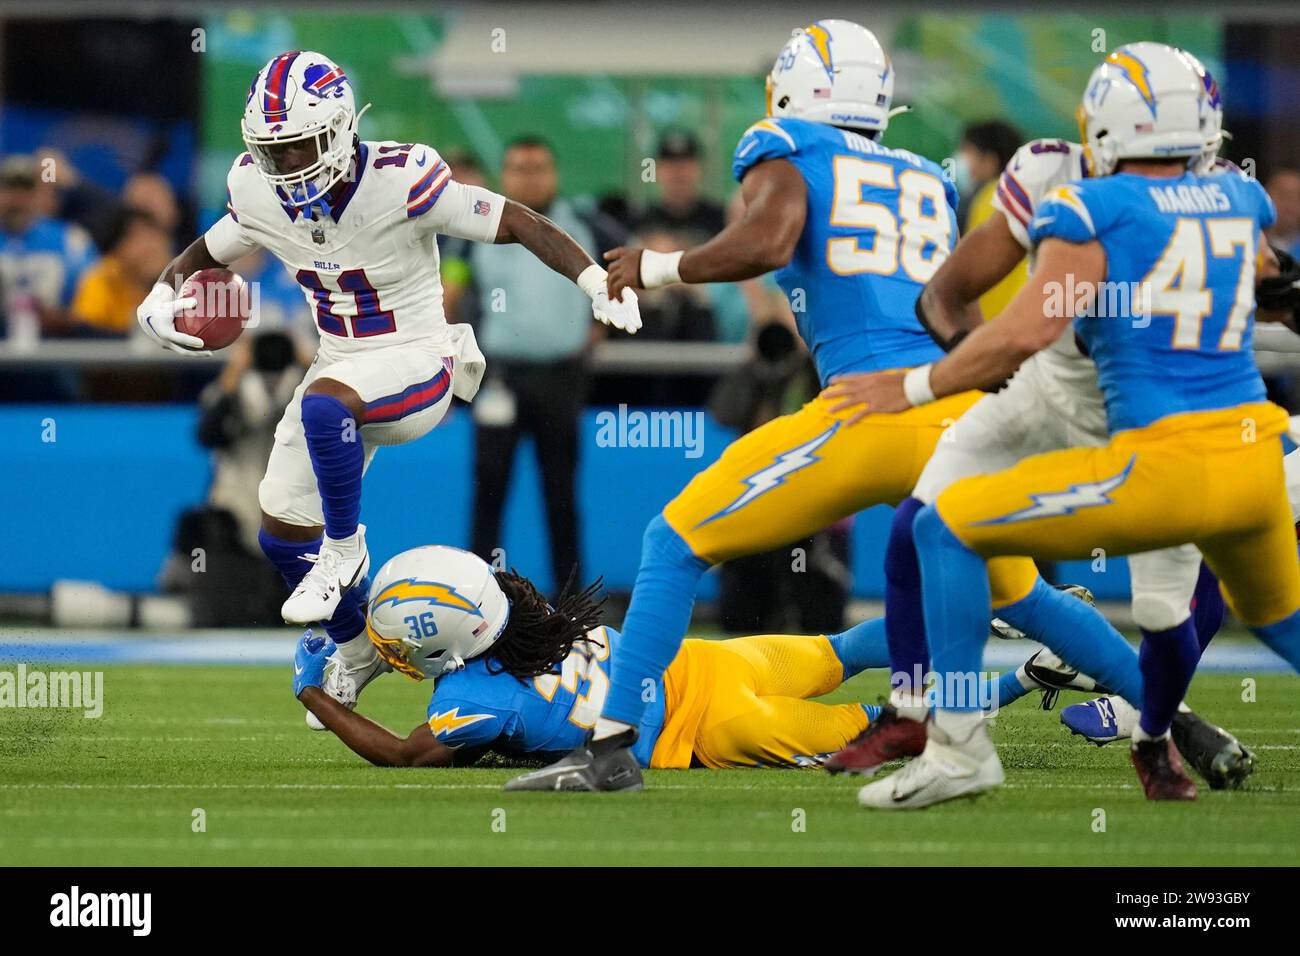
{"type": "Point", "coordinates": [917, 238]}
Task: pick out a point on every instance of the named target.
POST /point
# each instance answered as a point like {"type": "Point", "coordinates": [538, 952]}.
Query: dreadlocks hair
{"type": "Point", "coordinates": [540, 636]}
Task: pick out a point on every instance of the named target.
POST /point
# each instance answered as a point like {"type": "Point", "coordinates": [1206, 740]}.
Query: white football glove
{"type": "Point", "coordinates": [157, 316]}
{"type": "Point", "coordinates": [624, 315]}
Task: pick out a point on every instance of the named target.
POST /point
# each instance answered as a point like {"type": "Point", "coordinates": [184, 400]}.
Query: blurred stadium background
{"type": "Point", "coordinates": [117, 126]}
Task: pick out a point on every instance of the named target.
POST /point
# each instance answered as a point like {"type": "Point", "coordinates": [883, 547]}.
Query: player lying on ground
{"type": "Point", "coordinates": [1052, 402]}
{"type": "Point", "coordinates": [854, 229]}
{"type": "Point", "coordinates": [355, 222]}
{"type": "Point", "coordinates": [1195, 452]}
{"type": "Point", "coordinates": [518, 677]}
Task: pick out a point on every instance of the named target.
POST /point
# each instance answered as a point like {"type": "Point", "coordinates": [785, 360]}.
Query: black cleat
{"type": "Point", "coordinates": [596, 766]}
{"type": "Point", "coordinates": [1214, 753]}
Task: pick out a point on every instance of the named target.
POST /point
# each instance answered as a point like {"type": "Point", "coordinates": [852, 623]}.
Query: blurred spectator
{"type": "Point", "coordinates": [63, 193]}
{"type": "Point", "coordinates": [1283, 185]}
{"type": "Point", "coordinates": [135, 250]}
{"type": "Point", "coordinates": [535, 332]}
{"type": "Point", "coordinates": [41, 259]}
{"type": "Point", "coordinates": [673, 313]}
{"type": "Point", "coordinates": [681, 209]}
{"type": "Point", "coordinates": [459, 297]}
{"type": "Point", "coordinates": [985, 150]}
{"type": "Point", "coordinates": [153, 193]}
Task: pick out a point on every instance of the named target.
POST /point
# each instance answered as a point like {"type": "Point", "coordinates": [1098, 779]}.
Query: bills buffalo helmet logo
{"type": "Point", "coordinates": [323, 80]}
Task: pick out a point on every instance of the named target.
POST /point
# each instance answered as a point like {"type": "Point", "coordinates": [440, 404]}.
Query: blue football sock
{"type": "Point", "coordinates": [338, 458]}
{"type": "Point", "coordinates": [656, 621]}
{"type": "Point", "coordinates": [861, 647]}
{"type": "Point", "coordinates": [909, 653]}
{"type": "Point", "coordinates": [1080, 636]}
{"type": "Point", "coordinates": [1168, 660]}
{"type": "Point", "coordinates": [955, 592]}
{"type": "Point", "coordinates": [349, 619]}
{"type": "Point", "coordinates": [1208, 606]}
{"type": "Point", "coordinates": [1009, 689]}
{"type": "Point", "coordinates": [287, 556]}
{"type": "Point", "coordinates": [1283, 638]}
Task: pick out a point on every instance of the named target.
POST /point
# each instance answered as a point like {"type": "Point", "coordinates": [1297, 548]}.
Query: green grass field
{"type": "Point", "coordinates": [230, 741]}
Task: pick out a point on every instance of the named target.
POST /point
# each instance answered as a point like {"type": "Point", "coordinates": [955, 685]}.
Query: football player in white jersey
{"type": "Point", "coordinates": [1053, 402]}
{"type": "Point", "coordinates": [355, 223]}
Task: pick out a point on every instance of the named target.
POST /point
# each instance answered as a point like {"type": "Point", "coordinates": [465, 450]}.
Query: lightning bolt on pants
{"type": "Point", "coordinates": [782, 482]}
{"type": "Point", "coordinates": [1214, 479]}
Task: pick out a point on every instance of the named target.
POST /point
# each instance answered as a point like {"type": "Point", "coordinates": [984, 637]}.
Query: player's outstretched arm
{"type": "Point", "coordinates": [1030, 323]}
{"type": "Point", "coordinates": [557, 249]}
{"type": "Point", "coordinates": [948, 306]}
{"type": "Point", "coordinates": [544, 239]}
{"type": "Point", "coordinates": [374, 742]}
{"type": "Point", "coordinates": [363, 736]}
{"type": "Point", "coordinates": [761, 240]}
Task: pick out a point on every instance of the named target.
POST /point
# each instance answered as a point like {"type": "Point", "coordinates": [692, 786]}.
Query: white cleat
{"type": "Point", "coordinates": [345, 684]}
{"type": "Point", "coordinates": [338, 566]}
{"type": "Point", "coordinates": [945, 769]}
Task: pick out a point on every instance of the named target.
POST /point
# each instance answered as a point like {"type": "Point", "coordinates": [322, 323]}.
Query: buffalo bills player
{"type": "Point", "coordinates": [355, 223]}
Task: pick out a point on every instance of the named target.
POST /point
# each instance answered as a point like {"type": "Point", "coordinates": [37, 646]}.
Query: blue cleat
{"type": "Point", "coordinates": [1102, 720]}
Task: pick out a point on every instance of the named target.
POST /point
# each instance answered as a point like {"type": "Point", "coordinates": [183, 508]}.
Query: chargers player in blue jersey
{"type": "Point", "coordinates": [1195, 451]}
{"type": "Point", "coordinates": [517, 676]}
{"type": "Point", "coordinates": [1051, 402]}
{"type": "Point", "coordinates": [854, 230]}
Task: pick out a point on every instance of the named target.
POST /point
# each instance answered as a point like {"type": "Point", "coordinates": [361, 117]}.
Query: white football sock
{"type": "Point", "coordinates": [908, 704]}
{"type": "Point", "coordinates": [357, 652]}
{"type": "Point", "coordinates": [1140, 735]}
{"type": "Point", "coordinates": [609, 728]}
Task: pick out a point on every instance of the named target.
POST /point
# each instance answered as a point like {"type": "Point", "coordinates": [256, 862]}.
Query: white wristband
{"type": "Point", "coordinates": [916, 385]}
{"type": "Point", "coordinates": [591, 280]}
{"type": "Point", "coordinates": [659, 268]}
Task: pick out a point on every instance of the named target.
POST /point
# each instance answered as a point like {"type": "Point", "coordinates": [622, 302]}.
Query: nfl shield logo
{"type": "Point", "coordinates": [482, 207]}
{"type": "Point", "coordinates": [318, 236]}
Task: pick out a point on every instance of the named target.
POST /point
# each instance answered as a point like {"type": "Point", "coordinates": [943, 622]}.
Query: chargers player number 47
{"type": "Point", "coordinates": [1177, 280]}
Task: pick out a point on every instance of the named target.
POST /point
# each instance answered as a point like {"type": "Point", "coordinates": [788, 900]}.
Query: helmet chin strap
{"type": "Point", "coordinates": [898, 111]}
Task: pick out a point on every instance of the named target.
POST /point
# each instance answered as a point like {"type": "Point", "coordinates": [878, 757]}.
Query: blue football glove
{"type": "Point", "coordinates": [309, 660]}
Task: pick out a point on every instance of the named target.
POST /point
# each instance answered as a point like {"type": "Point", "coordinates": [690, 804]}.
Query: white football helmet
{"type": "Point", "coordinates": [1149, 101]}
{"type": "Point", "coordinates": [300, 96]}
{"type": "Point", "coordinates": [835, 72]}
{"type": "Point", "coordinates": [433, 608]}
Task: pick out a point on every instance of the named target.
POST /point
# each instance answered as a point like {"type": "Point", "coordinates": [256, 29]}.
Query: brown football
{"type": "Point", "coordinates": [223, 307]}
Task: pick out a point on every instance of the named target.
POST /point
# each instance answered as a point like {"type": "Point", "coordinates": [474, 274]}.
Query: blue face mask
{"type": "Point", "coordinates": [310, 199]}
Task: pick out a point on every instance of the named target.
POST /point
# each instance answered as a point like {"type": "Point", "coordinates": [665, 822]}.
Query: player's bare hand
{"type": "Point", "coordinates": [869, 393]}
{"type": "Point", "coordinates": [624, 270]}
